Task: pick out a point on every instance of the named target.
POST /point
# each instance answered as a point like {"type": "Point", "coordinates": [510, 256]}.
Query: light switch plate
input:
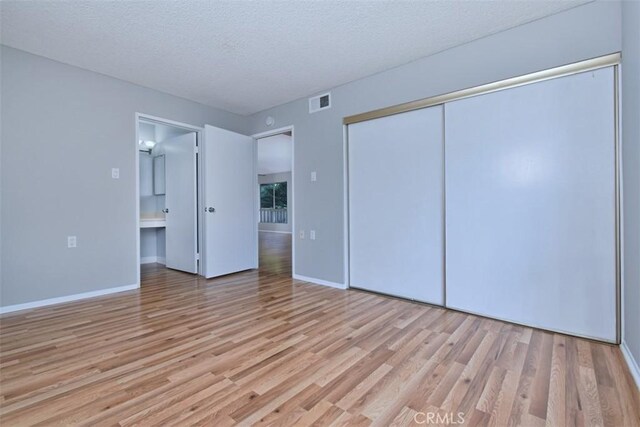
{"type": "Point", "coordinates": [312, 234]}
{"type": "Point", "coordinates": [115, 173]}
{"type": "Point", "coordinates": [72, 241]}
{"type": "Point", "coordinates": [302, 234]}
{"type": "Point", "coordinates": [314, 177]}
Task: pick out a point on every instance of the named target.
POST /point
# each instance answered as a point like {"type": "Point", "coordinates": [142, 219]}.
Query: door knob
{"type": "Point", "coordinates": [210, 210]}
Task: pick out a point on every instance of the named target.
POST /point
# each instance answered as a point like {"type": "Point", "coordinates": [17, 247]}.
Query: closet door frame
{"type": "Point", "coordinates": [610, 60]}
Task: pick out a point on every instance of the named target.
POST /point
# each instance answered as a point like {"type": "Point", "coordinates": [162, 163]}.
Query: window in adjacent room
{"type": "Point", "coordinates": [273, 203]}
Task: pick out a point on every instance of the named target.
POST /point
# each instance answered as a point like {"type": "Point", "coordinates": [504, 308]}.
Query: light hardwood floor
{"type": "Point", "coordinates": [275, 253]}
{"type": "Point", "coordinates": [260, 348]}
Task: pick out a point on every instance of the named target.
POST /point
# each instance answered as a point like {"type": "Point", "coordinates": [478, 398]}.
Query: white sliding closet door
{"type": "Point", "coordinates": [396, 206]}
{"type": "Point", "coordinates": [530, 179]}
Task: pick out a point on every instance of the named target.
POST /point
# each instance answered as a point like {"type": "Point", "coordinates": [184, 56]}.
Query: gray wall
{"type": "Point", "coordinates": [271, 178]}
{"type": "Point", "coordinates": [63, 129]}
{"type": "Point", "coordinates": [147, 132]}
{"type": "Point", "coordinates": [148, 244]}
{"type": "Point", "coordinates": [577, 34]}
{"type": "Point", "coordinates": [631, 172]}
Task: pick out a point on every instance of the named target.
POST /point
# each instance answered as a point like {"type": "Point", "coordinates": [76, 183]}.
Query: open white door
{"type": "Point", "coordinates": [229, 179]}
{"type": "Point", "coordinates": [180, 202]}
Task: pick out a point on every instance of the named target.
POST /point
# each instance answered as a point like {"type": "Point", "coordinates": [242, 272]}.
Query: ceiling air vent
{"type": "Point", "coordinates": [320, 102]}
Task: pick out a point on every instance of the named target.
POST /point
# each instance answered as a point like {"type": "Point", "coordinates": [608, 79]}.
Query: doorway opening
{"type": "Point", "coordinates": [276, 213]}
{"type": "Point", "coordinates": [168, 195]}
{"type": "Point", "coordinates": [196, 192]}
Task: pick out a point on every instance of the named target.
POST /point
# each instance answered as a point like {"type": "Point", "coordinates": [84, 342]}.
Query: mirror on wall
{"type": "Point", "coordinates": [158, 175]}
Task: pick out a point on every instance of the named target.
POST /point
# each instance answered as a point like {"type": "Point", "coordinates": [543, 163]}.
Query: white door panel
{"type": "Point", "coordinates": [229, 187]}
{"type": "Point", "coordinates": [530, 204]}
{"type": "Point", "coordinates": [180, 202]}
{"type": "Point", "coordinates": [396, 205]}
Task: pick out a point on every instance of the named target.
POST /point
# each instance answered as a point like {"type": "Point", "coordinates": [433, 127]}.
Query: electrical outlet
{"type": "Point", "coordinates": [71, 241]}
{"type": "Point", "coordinates": [302, 234]}
{"type": "Point", "coordinates": [312, 234]}
{"type": "Point", "coordinates": [115, 173]}
{"type": "Point", "coordinates": [314, 176]}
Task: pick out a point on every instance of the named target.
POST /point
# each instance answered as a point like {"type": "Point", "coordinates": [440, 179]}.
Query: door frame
{"type": "Point", "coordinates": [148, 118]}
{"type": "Point", "coordinates": [267, 134]}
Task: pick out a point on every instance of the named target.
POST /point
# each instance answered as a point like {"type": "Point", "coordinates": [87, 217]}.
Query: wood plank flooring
{"type": "Point", "coordinates": [260, 348]}
{"type": "Point", "coordinates": [275, 253]}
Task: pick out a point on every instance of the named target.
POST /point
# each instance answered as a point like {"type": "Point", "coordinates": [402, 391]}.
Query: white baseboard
{"type": "Point", "coordinates": [67, 298]}
{"type": "Point", "coordinates": [274, 231]}
{"type": "Point", "coordinates": [319, 281]}
{"type": "Point", "coordinates": [631, 363]}
{"type": "Point", "coordinates": [152, 260]}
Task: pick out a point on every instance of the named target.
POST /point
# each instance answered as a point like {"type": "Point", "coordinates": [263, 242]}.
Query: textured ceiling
{"type": "Point", "coordinates": [274, 154]}
{"type": "Point", "coordinates": [246, 56]}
